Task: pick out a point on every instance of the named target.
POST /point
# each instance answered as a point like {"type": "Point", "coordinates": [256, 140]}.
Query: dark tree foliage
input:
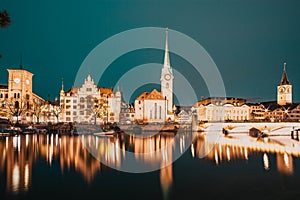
{"type": "Point", "coordinates": [4, 19]}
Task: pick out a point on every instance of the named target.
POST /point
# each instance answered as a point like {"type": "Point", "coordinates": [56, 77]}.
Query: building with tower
{"type": "Point", "coordinates": [284, 90]}
{"type": "Point", "coordinates": [18, 102]}
{"type": "Point", "coordinates": [157, 106]}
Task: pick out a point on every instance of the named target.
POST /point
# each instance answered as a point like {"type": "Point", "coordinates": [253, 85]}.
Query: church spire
{"type": "Point", "coordinates": [62, 85]}
{"type": "Point", "coordinates": [284, 79]}
{"type": "Point", "coordinates": [167, 57]}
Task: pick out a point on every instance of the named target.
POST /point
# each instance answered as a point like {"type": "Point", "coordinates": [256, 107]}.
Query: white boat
{"type": "Point", "coordinates": [104, 133]}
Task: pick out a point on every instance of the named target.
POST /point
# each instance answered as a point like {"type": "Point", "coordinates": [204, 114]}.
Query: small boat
{"type": "Point", "coordinates": [104, 133]}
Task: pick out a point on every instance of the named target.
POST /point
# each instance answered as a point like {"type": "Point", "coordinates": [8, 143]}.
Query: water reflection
{"type": "Point", "coordinates": [18, 154]}
{"type": "Point", "coordinates": [227, 150]}
{"type": "Point", "coordinates": [21, 152]}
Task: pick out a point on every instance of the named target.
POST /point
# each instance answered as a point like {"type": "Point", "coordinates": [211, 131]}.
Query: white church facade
{"type": "Point", "coordinates": [157, 106]}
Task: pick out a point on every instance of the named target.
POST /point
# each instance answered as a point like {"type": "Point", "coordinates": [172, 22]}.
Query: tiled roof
{"type": "Point", "coordinates": [107, 91]}
{"type": "Point", "coordinates": [72, 91]}
{"type": "Point", "coordinates": [153, 95]}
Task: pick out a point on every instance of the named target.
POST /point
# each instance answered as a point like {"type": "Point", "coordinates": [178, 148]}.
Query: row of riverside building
{"type": "Point", "coordinates": [91, 104]}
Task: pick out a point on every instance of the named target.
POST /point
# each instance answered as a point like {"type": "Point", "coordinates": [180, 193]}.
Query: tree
{"type": "Point", "coordinates": [57, 110]}
{"type": "Point", "coordinates": [98, 108]}
{"type": "Point", "coordinates": [4, 19]}
{"type": "Point", "coordinates": [16, 107]}
{"type": "Point", "coordinates": [37, 109]}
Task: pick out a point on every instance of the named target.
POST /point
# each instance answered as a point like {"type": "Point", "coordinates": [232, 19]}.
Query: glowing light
{"type": "Point", "coordinates": [181, 145]}
{"type": "Point", "coordinates": [56, 140]}
{"type": "Point", "coordinates": [26, 140]}
{"type": "Point", "coordinates": [15, 178]}
{"type": "Point", "coordinates": [216, 157]}
{"type": "Point", "coordinates": [193, 150]}
{"type": "Point", "coordinates": [286, 160]}
{"type": "Point", "coordinates": [6, 142]}
{"type": "Point", "coordinates": [26, 177]}
{"type": "Point", "coordinates": [266, 162]}
{"type": "Point", "coordinates": [246, 153]}
{"type": "Point", "coordinates": [228, 153]}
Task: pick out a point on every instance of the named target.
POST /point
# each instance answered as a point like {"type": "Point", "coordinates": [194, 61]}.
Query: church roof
{"type": "Point", "coordinates": [284, 80]}
{"type": "Point", "coordinates": [153, 95]}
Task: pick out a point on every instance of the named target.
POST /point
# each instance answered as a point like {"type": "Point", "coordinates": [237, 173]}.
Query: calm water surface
{"type": "Point", "coordinates": [60, 167]}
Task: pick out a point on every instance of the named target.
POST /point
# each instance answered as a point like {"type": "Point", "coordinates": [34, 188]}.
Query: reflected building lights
{"type": "Point", "coordinates": [15, 178]}
{"type": "Point", "coordinates": [232, 150]}
{"type": "Point", "coordinates": [266, 162]}
{"type": "Point", "coordinates": [26, 177]}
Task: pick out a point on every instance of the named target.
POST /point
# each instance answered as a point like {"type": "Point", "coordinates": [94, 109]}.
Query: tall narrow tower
{"type": "Point", "coordinates": [167, 78]}
{"type": "Point", "coordinates": [284, 89]}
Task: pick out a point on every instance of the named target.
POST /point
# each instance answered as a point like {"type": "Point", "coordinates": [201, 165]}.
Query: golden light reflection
{"type": "Point", "coordinates": [15, 178]}
{"type": "Point", "coordinates": [232, 149]}
{"type": "Point", "coordinates": [266, 162]}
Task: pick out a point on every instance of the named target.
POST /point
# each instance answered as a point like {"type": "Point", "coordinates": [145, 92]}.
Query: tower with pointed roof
{"type": "Point", "coordinates": [167, 78]}
{"type": "Point", "coordinates": [284, 89]}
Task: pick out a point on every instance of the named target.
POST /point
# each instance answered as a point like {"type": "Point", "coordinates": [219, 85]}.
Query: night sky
{"type": "Point", "coordinates": [248, 40]}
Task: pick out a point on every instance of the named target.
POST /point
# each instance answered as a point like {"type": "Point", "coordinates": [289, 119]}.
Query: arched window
{"type": "Point", "coordinates": [81, 100]}
{"type": "Point", "coordinates": [167, 85]}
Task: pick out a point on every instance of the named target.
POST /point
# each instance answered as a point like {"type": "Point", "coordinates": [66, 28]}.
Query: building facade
{"type": "Point", "coordinates": [284, 90]}
{"type": "Point", "coordinates": [150, 107]}
{"type": "Point", "coordinates": [218, 109]}
{"type": "Point", "coordinates": [89, 104]}
{"type": "Point", "coordinates": [18, 102]}
{"type": "Point", "coordinates": [157, 106]}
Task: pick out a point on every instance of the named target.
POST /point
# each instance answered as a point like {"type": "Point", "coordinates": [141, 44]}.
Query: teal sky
{"type": "Point", "coordinates": [248, 40]}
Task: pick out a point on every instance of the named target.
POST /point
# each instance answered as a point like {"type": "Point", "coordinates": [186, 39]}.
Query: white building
{"type": "Point", "coordinates": [150, 107]}
{"type": "Point", "coordinates": [222, 109]}
{"type": "Point", "coordinates": [17, 100]}
{"type": "Point", "coordinates": [284, 90]}
{"type": "Point", "coordinates": [89, 104]}
{"type": "Point", "coordinates": [157, 106]}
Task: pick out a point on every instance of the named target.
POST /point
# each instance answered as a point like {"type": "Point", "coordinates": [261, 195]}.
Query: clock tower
{"type": "Point", "coordinates": [167, 78]}
{"type": "Point", "coordinates": [284, 89]}
{"type": "Point", "coordinates": [19, 84]}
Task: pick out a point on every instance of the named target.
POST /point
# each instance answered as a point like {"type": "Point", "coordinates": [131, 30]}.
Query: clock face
{"type": "Point", "coordinates": [27, 82]}
{"type": "Point", "coordinates": [167, 77]}
{"type": "Point", "coordinates": [281, 90]}
{"type": "Point", "coordinates": [17, 80]}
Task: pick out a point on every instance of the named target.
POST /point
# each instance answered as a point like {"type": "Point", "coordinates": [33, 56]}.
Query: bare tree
{"type": "Point", "coordinates": [57, 110]}
{"type": "Point", "coordinates": [98, 108]}
{"type": "Point", "coordinates": [16, 107]}
{"type": "Point", "coordinates": [37, 109]}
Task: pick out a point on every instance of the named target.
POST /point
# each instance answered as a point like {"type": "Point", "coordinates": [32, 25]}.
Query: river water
{"type": "Point", "coordinates": [88, 167]}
